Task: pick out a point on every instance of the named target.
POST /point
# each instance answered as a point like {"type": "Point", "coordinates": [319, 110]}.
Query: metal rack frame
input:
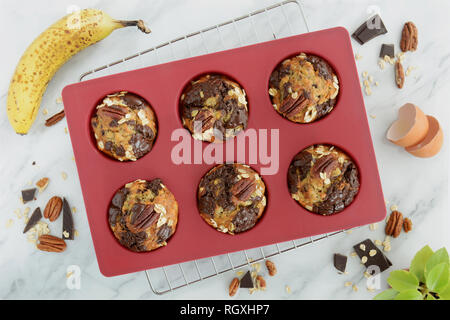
{"type": "Point", "coordinates": [181, 275]}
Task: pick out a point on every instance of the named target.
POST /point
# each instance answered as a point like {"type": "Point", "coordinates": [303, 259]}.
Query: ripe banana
{"type": "Point", "coordinates": [48, 53]}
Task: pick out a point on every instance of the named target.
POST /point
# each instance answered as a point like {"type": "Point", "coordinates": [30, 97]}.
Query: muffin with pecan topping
{"type": "Point", "coordinates": [143, 215]}
{"type": "Point", "coordinates": [124, 126]}
{"type": "Point", "coordinates": [231, 198]}
{"type": "Point", "coordinates": [303, 88]}
{"type": "Point", "coordinates": [323, 179]}
{"type": "Point", "coordinates": [214, 108]}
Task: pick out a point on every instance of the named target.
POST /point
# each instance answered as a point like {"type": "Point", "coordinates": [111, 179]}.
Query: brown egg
{"type": "Point", "coordinates": [432, 142]}
{"type": "Point", "coordinates": [410, 128]}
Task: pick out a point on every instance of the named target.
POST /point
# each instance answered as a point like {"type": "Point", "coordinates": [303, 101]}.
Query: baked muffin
{"type": "Point", "coordinates": [124, 126]}
{"type": "Point", "coordinates": [323, 179]}
{"type": "Point", "coordinates": [143, 215]}
{"type": "Point", "coordinates": [231, 198]}
{"type": "Point", "coordinates": [214, 108]}
{"type": "Point", "coordinates": [303, 88]}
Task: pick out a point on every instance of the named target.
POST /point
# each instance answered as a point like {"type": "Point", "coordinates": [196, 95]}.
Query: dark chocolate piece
{"type": "Point", "coordinates": [387, 50]}
{"type": "Point", "coordinates": [369, 30]}
{"type": "Point", "coordinates": [35, 217]}
{"type": "Point", "coordinates": [247, 281]}
{"type": "Point", "coordinates": [340, 262]}
{"type": "Point", "coordinates": [28, 194]}
{"type": "Point", "coordinates": [377, 260]}
{"type": "Point", "coordinates": [68, 228]}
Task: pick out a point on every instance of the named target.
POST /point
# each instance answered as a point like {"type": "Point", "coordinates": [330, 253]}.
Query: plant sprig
{"type": "Point", "coordinates": [428, 278]}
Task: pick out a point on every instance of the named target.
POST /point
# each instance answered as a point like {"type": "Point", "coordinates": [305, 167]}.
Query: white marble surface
{"type": "Point", "coordinates": [418, 186]}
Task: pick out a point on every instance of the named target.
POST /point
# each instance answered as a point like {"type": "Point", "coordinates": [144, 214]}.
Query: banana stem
{"type": "Point", "coordinates": [134, 23]}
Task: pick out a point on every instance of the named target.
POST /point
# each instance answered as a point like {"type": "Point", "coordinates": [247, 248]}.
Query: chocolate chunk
{"type": "Point", "coordinates": [247, 281]}
{"type": "Point", "coordinates": [340, 262]}
{"type": "Point", "coordinates": [245, 219]}
{"type": "Point", "coordinates": [298, 170]}
{"type": "Point", "coordinates": [207, 204]}
{"type": "Point", "coordinates": [163, 233]}
{"type": "Point", "coordinates": [108, 145]}
{"type": "Point", "coordinates": [155, 186]}
{"type": "Point", "coordinates": [113, 212]}
{"type": "Point", "coordinates": [325, 108]}
{"type": "Point", "coordinates": [28, 194]}
{"type": "Point", "coordinates": [140, 145]}
{"type": "Point", "coordinates": [217, 189]}
{"type": "Point", "coordinates": [68, 227]}
{"type": "Point", "coordinates": [133, 101]}
{"type": "Point", "coordinates": [341, 193]}
{"type": "Point", "coordinates": [35, 217]}
{"type": "Point", "coordinates": [118, 150]}
{"type": "Point", "coordinates": [369, 30]}
{"type": "Point", "coordinates": [119, 197]}
{"type": "Point", "coordinates": [133, 241]}
{"type": "Point", "coordinates": [376, 260]}
{"type": "Point", "coordinates": [387, 50]}
{"type": "Point", "coordinates": [321, 67]}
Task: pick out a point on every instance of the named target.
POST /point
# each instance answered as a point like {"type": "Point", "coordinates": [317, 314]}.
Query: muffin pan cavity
{"type": "Point", "coordinates": [303, 88]}
{"type": "Point", "coordinates": [323, 179]}
{"type": "Point", "coordinates": [124, 126]}
{"type": "Point", "coordinates": [214, 108]}
{"type": "Point", "coordinates": [181, 161]}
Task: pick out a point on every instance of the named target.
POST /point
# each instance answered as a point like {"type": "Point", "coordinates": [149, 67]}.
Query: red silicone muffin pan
{"type": "Point", "coordinates": [284, 219]}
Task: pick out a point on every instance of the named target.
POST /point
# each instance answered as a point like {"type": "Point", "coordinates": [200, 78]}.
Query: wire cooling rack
{"type": "Point", "coordinates": [281, 20]}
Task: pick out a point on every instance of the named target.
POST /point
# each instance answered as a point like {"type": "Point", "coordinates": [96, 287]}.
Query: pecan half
{"type": "Point", "coordinates": [291, 106]}
{"type": "Point", "coordinates": [143, 216]}
{"type": "Point", "coordinates": [243, 189]}
{"type": "Point", "coordinates": [407, 225]}
{"type": "Point", "coordinates": [399, 75]}
{"type": "Point", "coordinates": [51, 243]}
{"type": "Point", "coordinates": [53, 208]}
{"type": "Point", "coordinates": [394, 224]}
{"type": "Point", "coordinates": [206, 118]}
{"type": "Point", "coordinates": [55, 119]}
{"type": "Point", "coordinates": [234, 286]}
{"type": "Point", "coordinates": [326, 164]}
{"type": "Point", "coordinates": [114, 112]}
{"type": "Point", "coordinates": [271, 268]}
{"type": "Point", "coordinates": [409, 38]}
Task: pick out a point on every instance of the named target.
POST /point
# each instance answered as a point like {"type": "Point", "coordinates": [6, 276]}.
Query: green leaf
{"type": "Point", "coordinates": [409, 295]}
{"type": "Point", "coordinates": [402, 280]}
{"type": "Point", "coordinates": [418, 263]}
{"type": "Point", "coordinates": [438, 257]}
{"type": "Point", "coordinates": [445, 294]}
{"type": "Point", "coordinates": [437, 278]}
{"type": "Point", "coordinates": [388, 294]}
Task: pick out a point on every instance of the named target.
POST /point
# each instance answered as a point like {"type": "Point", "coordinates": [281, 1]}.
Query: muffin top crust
{"type": "Point", "coordinates": [231, 198]}
{"type": "Point", "coordinates": [143, 215]}
{"type": "Point", "coordinates": [214, 108]}
{"type": "Point", "coordinates": [323, 179]}
{"type": "Point", "coordinates": [303, 88]}
{"type": "Point", "coordinates": [124, 126]}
